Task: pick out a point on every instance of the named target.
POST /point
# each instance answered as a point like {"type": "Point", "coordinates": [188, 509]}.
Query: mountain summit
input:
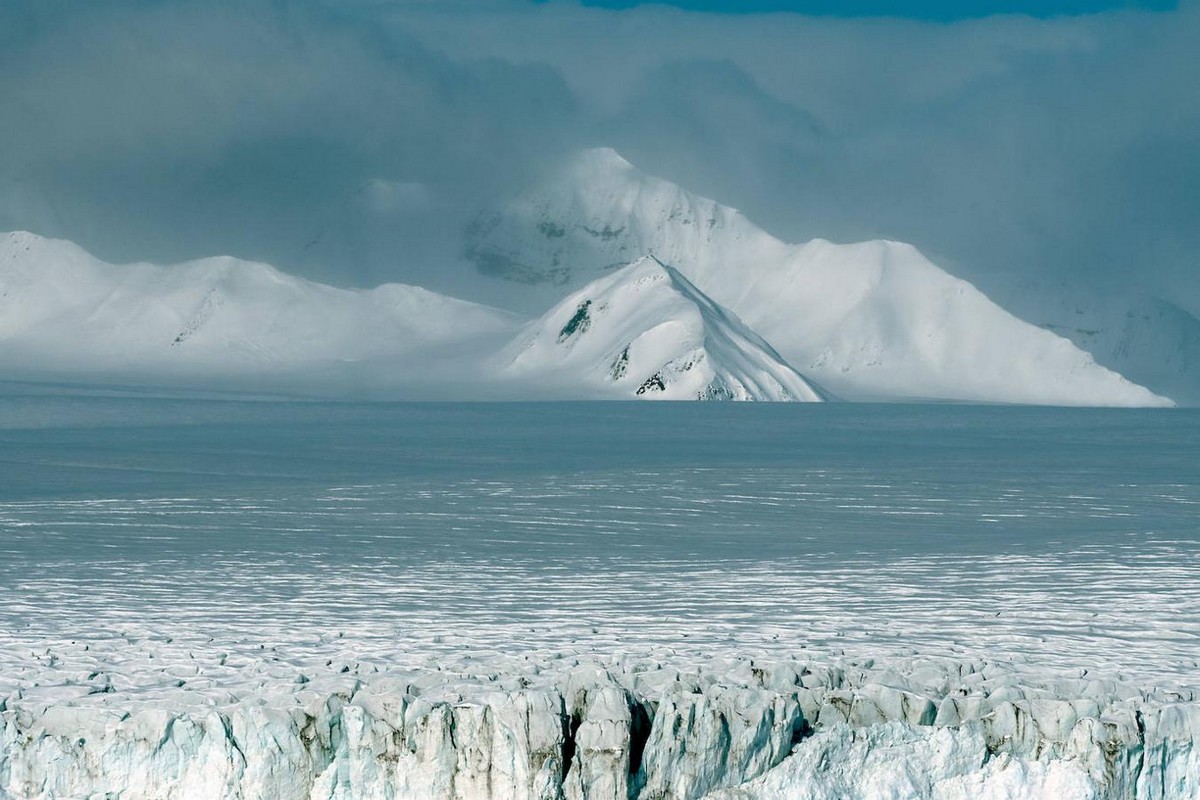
{"type": "Point", "coordinates": [873, 320]}
{"type": "Point", "coordinates": [598, 213]}
{"type": "Point", "coordinates": [645, 331]}
{"type": "Point", "coordinates": [64, 313]}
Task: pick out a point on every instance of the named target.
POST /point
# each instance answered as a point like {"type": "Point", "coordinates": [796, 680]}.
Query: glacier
{"type": "Point", "coordinates": [210, 598]}
{"type": "Point", "coordinates": [925, 728]}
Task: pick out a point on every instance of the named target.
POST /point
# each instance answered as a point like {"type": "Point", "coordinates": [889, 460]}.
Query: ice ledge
{"type": "Point", "coordinates": [734, 730]}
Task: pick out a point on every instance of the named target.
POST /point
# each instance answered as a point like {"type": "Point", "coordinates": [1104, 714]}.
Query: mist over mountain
{"type": "Point", "coordinates": [599, 399]}
{"type": "Point", "coordinates": [870, 320]}
{"type": "Point", "coordinates": [352, 142]}
{"type": "Point", "coordinates": [873, 321]}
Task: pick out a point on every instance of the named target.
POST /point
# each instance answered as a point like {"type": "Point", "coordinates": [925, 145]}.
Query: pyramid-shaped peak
{"type": "Point", "coordinates": [597, 212]}
{"type": "Point", "coordinates": [650, 269]}
{"type": "Point", "coordinates": [645, 331]}
{"type": "Point", "coordinates": [648, 263]}
{"type": "Point", "coordinates": [652, 259]}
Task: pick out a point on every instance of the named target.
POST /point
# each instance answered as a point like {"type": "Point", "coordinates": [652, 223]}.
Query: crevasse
{"type": "Point", "coordinates": [930, 729]}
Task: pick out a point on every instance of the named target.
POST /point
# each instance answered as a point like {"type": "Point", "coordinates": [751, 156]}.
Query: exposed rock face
{"type": "Point", "coordinates": [736, 730]}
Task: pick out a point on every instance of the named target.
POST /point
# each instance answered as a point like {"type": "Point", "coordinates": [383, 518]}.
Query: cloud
{"type": "Point", "coordinates": [1007, 147]}
{"type": "Point", "coordinates": [165, 130]}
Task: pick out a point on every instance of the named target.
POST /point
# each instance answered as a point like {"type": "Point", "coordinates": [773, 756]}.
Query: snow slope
{"type": "Point", "coordinates": [240, 324]}
{"type": "Point", "coordinates": [646, 331]}
{"type": "Point", "coordinates": [1149, 339]}
{"type": "Point", "coordinates": [869, 321]}
{"type": "Point", "coordinates": [873, 320]}
{"type": "Point", "coordinates": [67, 312]}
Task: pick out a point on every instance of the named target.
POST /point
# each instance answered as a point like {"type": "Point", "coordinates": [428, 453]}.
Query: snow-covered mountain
{"type": "Point", "coordinates": [1149, 339]}
{"type": "Point", "coordinates": [873, 320]}
{"type": "Point", "coordinates": [646, 331]}
{"type": "Point", "coordinates": [223, 323]}
{"type": "Point", "coordinates": [66, 313]}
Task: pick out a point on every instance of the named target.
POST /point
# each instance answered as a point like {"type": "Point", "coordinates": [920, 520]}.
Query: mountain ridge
{"type": "Point", "coordinates": [646, 331]}
{"type": "Point", "coordinates": [869, 320]}
{"type": "Point", "coordinates": [214, 318]}
{"type": "Point", "coordinates": [885, 318]}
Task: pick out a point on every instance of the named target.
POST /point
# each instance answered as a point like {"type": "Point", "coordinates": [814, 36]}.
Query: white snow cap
{"type": "Point", "coordinates": [65, 312]}
{"type": "Point", "coordinates": [873, 320]}
{"type": "Point", "coordinates": [646, 331]}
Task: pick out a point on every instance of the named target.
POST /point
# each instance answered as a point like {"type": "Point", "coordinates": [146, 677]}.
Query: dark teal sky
{"type": "Point", "coordinates": [1005, 147]}
{"type": "Point", "coordinates": [943, 10]}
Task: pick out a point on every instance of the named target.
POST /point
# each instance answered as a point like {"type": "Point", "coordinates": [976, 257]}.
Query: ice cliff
{"type": "Point", "coordinates": [738, 729]}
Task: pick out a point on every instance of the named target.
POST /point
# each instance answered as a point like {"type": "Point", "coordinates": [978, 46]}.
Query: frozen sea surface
{"type": "Point", "coordinates": [276, 600]}
{"type": "Point", "coordinates": [1058, 539]}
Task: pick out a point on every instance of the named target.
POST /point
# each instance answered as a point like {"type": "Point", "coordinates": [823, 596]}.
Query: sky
{"type": "Point", "coordinates": [352, 141]}
{"type": "Point", "coordinates": [942, 10]}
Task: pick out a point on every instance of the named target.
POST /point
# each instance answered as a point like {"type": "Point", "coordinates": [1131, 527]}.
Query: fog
{"type": "Point", "coordinates": [351, 142]}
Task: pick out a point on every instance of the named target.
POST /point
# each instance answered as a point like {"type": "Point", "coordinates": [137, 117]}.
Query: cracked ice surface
{"type": "Point", "coordinates": [361, 600]}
